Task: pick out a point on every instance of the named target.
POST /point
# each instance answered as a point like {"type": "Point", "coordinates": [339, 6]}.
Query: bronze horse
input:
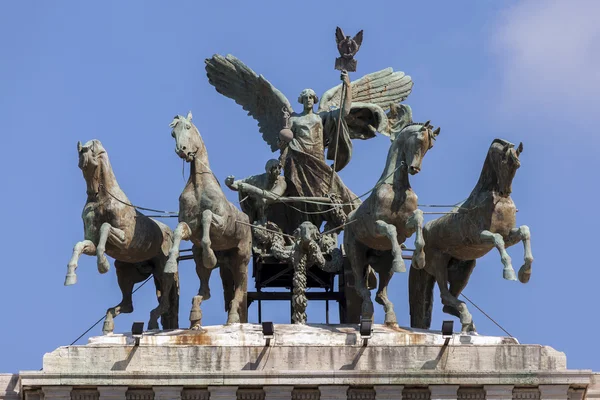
{"type": "Point", "coordinates": [375, 231]}
{"type": "Point", "coordinates": [139, 245]}
{"type": "Point", "coordinates": [454, 242]}
{"type": "Point", "coordinates": [210, 221]}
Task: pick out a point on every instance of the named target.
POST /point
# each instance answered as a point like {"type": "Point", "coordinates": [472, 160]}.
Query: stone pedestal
{"type": "Point", "coordinates": [312, 362]}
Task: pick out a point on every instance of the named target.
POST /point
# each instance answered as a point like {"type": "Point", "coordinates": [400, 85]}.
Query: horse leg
{"type": "Point", "coordinates": [381, 297]}
{"type": "Point", "coordinates": [438, 264]}
{"type": "Point", "coordinates": [204, 291]}
{"type": "Point", "coordinates": [114, 236]}
{"type": "Point", "coordinates": [208, 255]}
{"type": "Point", "coordinates": [85, 247]}
{"type": "Point", "coordinates": [182, 232]}
{"type": "Point", "coordinates": [458, 277]}
{"type": "Point", "coordinates": [415, 222]}
{"type": "Point", "coordinates": [522, 234]}
{"type": "Point", "coordinates": [237, 264]}
{"type": "Point", "coordinates": [127, 276]}
{"type": "Point", "coordinates": [496, 239]}
{"type": "Point", "coordinates": [389, 231]}
{"type": "Point", "coordinates": [357, 255]}
{"type": "Point", "coordinates": [164, 286]}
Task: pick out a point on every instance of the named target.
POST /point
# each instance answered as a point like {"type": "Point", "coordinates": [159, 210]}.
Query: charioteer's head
{"type": "Point", "coordinates": [273, 169]}
{"type": "Point", "coordinates": [308, 98]}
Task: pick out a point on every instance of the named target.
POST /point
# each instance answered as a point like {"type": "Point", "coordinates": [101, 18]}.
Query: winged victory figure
{"type": "Point", "coordinates": [305, 169]}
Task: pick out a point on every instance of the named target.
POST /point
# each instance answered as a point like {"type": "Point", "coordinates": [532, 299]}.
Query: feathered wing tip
{"type": "Point", "coordinates": [381, 88]}
{"type": "Point", "coordinates": [339, 34]}
{"type": "Point", "coordinates": [234, 79]}
{"type": "Point", "coordinates": [358, 38]}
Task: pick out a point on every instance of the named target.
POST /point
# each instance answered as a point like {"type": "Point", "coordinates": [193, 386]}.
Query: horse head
{"type": "Point", "coordinates": [89, 155]}
{"type": "Point", "coordinates": [187, 137]}
{"type": "Point", "coordinates": [504, 160]}
{"type": "Point", "coordinates": [416, 139]}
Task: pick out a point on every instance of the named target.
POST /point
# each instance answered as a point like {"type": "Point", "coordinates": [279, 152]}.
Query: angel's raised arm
{"type": "Point", "coordinates": [233, 79]}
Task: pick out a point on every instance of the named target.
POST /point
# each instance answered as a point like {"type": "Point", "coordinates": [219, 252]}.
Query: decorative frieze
{"type": "Point", "coordinates": [85, 394]}
{"type": "Point", "coordinates": [250, 394]}
{"type": "Point", "coordinates": [471, 393]}
{"type": "Point", "coordinates": [305, 394]}
{"type": "Point", "coordinates": [361, 394]}
{"type": "Point", "coordinates": [139, 394]}
{"type": "Point", "coordinates": [195, 394]}
{"type": "Point", "coordinates": [416, 394]}
{"type": "Point", "coordinates": [526, 394]}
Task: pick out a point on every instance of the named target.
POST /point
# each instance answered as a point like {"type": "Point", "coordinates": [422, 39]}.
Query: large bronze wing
{"type": "Point", "coordinates": [381, 88]}
{"type": "Point", "coordinates": [234, 79]}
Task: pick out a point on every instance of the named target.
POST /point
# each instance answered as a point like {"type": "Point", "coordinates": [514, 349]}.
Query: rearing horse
{"type": "Point", "coordinates": [209, 220]}
{"type": "Point", "coordinates": [454, 242]}
{"type": "Point", "coordinates": [387, 218]}
{"type": "Point", "coordinates": [138, 244]}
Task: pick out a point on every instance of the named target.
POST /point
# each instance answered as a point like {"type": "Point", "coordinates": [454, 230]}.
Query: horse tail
{"type": "Point", "coordinates": [420, 296]}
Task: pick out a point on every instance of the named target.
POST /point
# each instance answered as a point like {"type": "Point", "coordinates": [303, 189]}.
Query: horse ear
{"type": "Point", "coordinates": [79, 147]}
{"type": "Point", "coordinates": [426, 125]}
{"type": "Point", "coordinates": [189, 116]}
{"type": "Point", "coordinates": [437, 131]}
{"type": "Point", "coordinates": [520, 149]}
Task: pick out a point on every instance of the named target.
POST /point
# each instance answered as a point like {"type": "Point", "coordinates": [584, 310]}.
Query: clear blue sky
{"type": "Point", "coordinates": [119, 71]}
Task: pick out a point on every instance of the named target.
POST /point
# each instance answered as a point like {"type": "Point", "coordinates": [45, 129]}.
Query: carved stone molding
{"type": "Point", "coordinates": [139, 394]}
{"type": "Point", "coordinates": [526, 394]}
{"type": "Point", "coordinates": [305, 394]}
{"type": "Point", "coordinates": [416, 394]}
{"type": "Point", "coordinates": [195, 394]}
{"type": "Point", "coordinates": [85, 394]}
{"type": "Point", "coordinates": [361, 394]}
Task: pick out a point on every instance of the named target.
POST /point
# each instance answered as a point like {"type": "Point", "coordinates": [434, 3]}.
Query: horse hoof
{"type": "Point", "coordinates": [103, 265]}
{"type": "Point", "coordinates": [108, 327]}
{"type": "Point", "coordinates": [509, 274]}
{"type": "Point", "coordinates": [195, 326]}
{"type": "Point", "coordinates": [390, 319]}
{"type": "Point", "coordinates": [152, 325]}
{"type": "Point", "coordinates": [233, 319]}
{"type": "Point", "coordinates": [524, 275]}
{"type": "Point", "coordinates": [398, 266]}
{"type": "Point", "coordinates": [70, 279]}
{"type": "Point", "coordinates": [468, 329]}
